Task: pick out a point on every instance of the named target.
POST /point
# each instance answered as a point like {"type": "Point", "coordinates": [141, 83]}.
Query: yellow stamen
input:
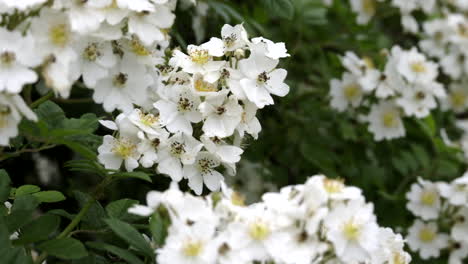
{"type": "Point", "coordinates": [59, 35]}
{"type": "Point", "coordinates": [192, 248]}
{"type": "Point", "coordinates": [259, 230]}
{"type": "Point", "coordinates": [426, 235]}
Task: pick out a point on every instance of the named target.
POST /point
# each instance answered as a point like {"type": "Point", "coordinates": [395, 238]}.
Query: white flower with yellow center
{"type": "Point", "coordinates": [426, 239]}
{"type": "Point", "coordinates": [114, 151]}
{"type": "Point", "coordinates": [152, 27]}
{"type": "Point", "coordinates": [200, 59]}
{"type": "Point", "coordinates": [229, 155]}
{"type": "Point", "coordinates": [415, 67]}
{"type": "Point", "coordinates": [424, 200]}
{"type": "Point", "coordinates": [385, 121]}
{"type": "Point", "coordinates": [17, 57]}
{"type": "Point", "coordinates": [333, 189]}
{"type": "Point", "coordinates": [455, 192]}
{"type": "Point", "coordinates": [189, 244]}
{"type": "Point", "coordinates": [352, 230]}
{"type": "Point", "coordinates": [416, 101]}
{"type": "Point", "coordinates": [457, 98]}
{"type": "Point", "coordinates": [391, 248]}
{"type": "Point", "coordinates": [147, 122]}
{"type": "Point", "coordinates": [345, 93]}
{"type": "Point", "coordinates": [365, 9]}
{"type": "Point", "coordinates": [12, 110]}
{"type": "Point", "coordinates": [234, 37]}
{"type": "Point", "coordinates": [203, 171]}
{"type": "Point", "coordinates": [249, 122]}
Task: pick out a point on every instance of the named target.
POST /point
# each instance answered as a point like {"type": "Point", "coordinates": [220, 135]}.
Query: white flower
{"type": "Point", "coordinates": [179, 110]}
{"type": "Point", "coordinates": [415, 67]}
{"type": "Point", "coordinates": [12, 110]}
{"type": "Point", "coordinates": [249, 122]}
{"type": "Point", "coordinates": [416, 101]}
{"type": "Point", "coordinates": [147, 122]}
{"type": "Point", "coordinates": [391, 249]}
{"type": "Point", "coordinates": [125, 85]}
{"type": "Point", "coordinates": [333, 189]}
{"type": "Point", "coordinates": [457, 191]}
{"type": "Point", "coordinates": [352, 230]}
{"type": "Point", "coordinates": [153, 200]}
{"type": "Point", "coordinates": [189, 245]}
{"type": "Point", "coordinates": [180, 149]}
{"type": "Point", "coordinates": [458, 255]}
{"type": "Point", "coordinates": [229, 155]}
{"type": "Point", "coordinates": [265, 47]}
{"type": "Point", "coordinates": [426, 239]}
{"type": "Point", "coordinates": [424, 200]}
{"type": "Point", "coordinates": [385, 121]}
{"type": "Point", "coordinates": [234, 37]}
{"type": "Point", "coordinates": [203, 171]}
{"type": "Point", "coordinates": [200, 59]}
{"type": "Point", "coordinates": [457, 99]}
{"type": "Point", "coordinates": [114, 151]}
{"type": "Point", "coordinates": [221, 115]}
{"type": "Point", "coordinates": [150, 27]}
{"type": "Point", "coordinates": [262, 79]}
{"type": "Point", "coordinates": [94, 60]}
{"type": "Point", "coordinates": [365, 10]}
{"type": "Point", "coordinates": [459, 230]}
{"type": "Point", "coordinates": [84, 16]}
{"type": "Point", "coordinates": [16, 58]}
{"type": "Point", "coordinates": [345, 93]}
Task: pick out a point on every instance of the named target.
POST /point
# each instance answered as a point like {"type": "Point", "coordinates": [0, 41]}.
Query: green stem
{"type": "Point", "coordinates": [19, 152]}
{"type": "Point", "coordinates": [94, 197]}
{"type": "Point", "coordinates": [42, 99]}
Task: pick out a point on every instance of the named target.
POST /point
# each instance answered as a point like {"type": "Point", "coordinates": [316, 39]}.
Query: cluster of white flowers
{"type": "Point", "coordinates": [112, 45]}
{"type": "Point", "coordinates": [321, 221]}
{"type": "Point", "coordinates": [203, 105]}
{"type": "Point", "coordinates": [442, 224]}
{"type": "Point", "coordinates": [406, 87]}
{"type": "Point", "coordinates": [366, 9]}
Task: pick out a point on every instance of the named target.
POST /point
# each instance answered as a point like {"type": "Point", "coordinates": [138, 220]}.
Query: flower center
{"type": "Point", "coordinates": [427, 235]}
{"type": "Point", "coordinates": [259, 230]}
{"type": "Point", "coordinates": [138, 48]}
{"type": "Point", "coordinates": [351, 230]}
{"type": "Point", "coordinates": [199, 56]}
{"type": "Point", "coordinates": [237, 199]}
{"type": "Point", "coordinates": [184, 104]}
{"type": "Point", "coordinates": [230, 40]}
{"type": "Point", "coordinates": [352, 91]}
{"type": "Point", "coordinates": [220, 110]}
{"type": "Point", "coordinates": [91, 52]}
{"type": "Point", "coordinates": [398, 258]}
{"type": "Point", "coordinates": [202, 86]}
{"type": "Point", "coordinates": [120, 80]}
{"type": "Point", "coordinates": [420, 95]}
{"type": "Point", "coordinates": [262, 78]}
{"type": "Point", "coordinates": [418, 67]}
{"type": "Point", "coordinates": [4, 113]}
{"type": "Point", "coordinates": [124, 148]}
{"type": "Point", "coordinates": [59, 35]}
{"type": "Point", "coordinates": [428, 198]}
{"type": "Point", "coordinates": [458, 98]}
{"type": "Point", "coordinates": [148, 119]}
{"type": "Point", "coordinates": [192, 248]}
{"type": "Point", "coordinates": [7, 58]}
{"type": "Point", "coordinates": [368, 6]}
{"type": "Point", "coordinates": [177, 149]}
{"type": "Point", "coordinates": [205, 165]}
{"type": "Point", "coordinates": [389, 119]}
{"type": "Point", "coordinates": [333, 186]}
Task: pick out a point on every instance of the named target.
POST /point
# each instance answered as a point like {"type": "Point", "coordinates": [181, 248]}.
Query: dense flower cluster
{"type": "Point", "coordinates": [112, 45]}
{"type": "Point", "coordinates": [406, 87]}
{"type": "Point", "coordinates": [442, 219]}
{"type": "Point", "coordinates": [321, 221]}
{"type": "Point", "coordinates": [203, 105]}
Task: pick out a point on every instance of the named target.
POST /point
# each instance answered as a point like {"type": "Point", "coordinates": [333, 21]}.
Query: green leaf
{"type": "Point", "coordinates": [21, 212]}
{"type": "Point", "coordinates": [27, 189]}
{"type": "Point", "coordinates": [64, 248]}
{"type": "Point", "coordinates": [158, 227]}
{"type": "Point", "coordinates": [49, 196]}
{"type": "Point", "coordinates": [281, 8]}
{"type": "Point", "coordinates": [80, 148]}
{"type": "Point", "coordinates": [62, 213]}
{"type": "Point", "coordinates": [14, 256]}
{"type": "Point", "coordinates": [134, 174]}
{"type": "Point", "coordinates": [39, 229]}
{"type": "Point", "coordinates": [119, 209]}
{"type": "Point", "coordinates": [130, 235]}
{"type": "Point", "coordinates": [95, 215]}
{"type": "Point", "coordinates": [120, 252]}
{"type": "Point", "coordinates": [5, 183]}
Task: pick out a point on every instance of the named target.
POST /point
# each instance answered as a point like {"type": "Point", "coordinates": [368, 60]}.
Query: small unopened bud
{"type": "Point", "coordinates": [239, 54]}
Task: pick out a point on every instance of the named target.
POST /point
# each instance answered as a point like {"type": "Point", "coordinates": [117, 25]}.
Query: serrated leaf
{"type": "Point", "coordinates": [27, 189]}
{"type": "Point", "coordinates": [120, 252]}
{"type": "Point", "coordinates": [38, 229]}
{"type": "Point", "coordinates": [281, 8]}
{"type": "Point", "coordinates": [129, 234]}
{"type": "Point", "coordinates": [49, 196]}
{"type": "Point", "coordinates": [64, 248]}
